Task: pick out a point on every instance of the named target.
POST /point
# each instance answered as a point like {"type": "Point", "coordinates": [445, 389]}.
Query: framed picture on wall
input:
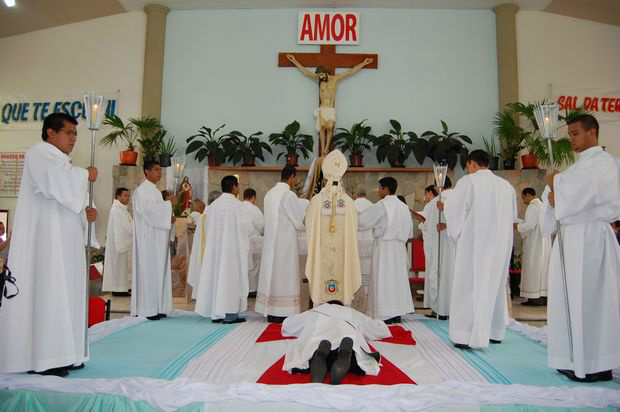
{"type": "Point", "coordinates": [4, 219]}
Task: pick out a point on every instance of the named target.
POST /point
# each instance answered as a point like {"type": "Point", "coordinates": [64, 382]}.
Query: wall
{"type": "Point", "coordinates": [104, 54]}
{"type": "Point", "coordinates": [561, 50]}
{"type": "Point", "coordinates": [220, 67]}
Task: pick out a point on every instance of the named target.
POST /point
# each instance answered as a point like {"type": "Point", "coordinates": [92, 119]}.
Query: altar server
{"type": "Point", "coordinates": [223, 287]}
{"type": "Point", "coordinates": [389, 295]}
{"type": "Point", "coordinates": [258, 228]}
{"type": "Point", "coordinates": [152, 230]}
{"type": "Point", "coordinates": [42, 328]}
{"type": "Point", "coordinates": [119, 239]}
{"type": "Point", "coordinates": [480, 213]}
{"type": "Point", "coordinates": [585, 198]}
{"type": "Point", "coordinates": [279, 279]}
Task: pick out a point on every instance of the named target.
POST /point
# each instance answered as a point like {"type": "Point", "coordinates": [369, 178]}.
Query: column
{"type": "Point", "coordinates": [507, 67]}
{"type": "Point", "coordinates": [154, 59]}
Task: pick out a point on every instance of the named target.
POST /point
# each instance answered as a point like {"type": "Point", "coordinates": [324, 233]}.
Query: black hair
{"type": "Point", "coordinates": [165, 194]}
{"type": "Point", "coordinates": [56, 121]}
{"type": "Point", "coordinates": [448, 183]}
{"type": "Point", "coordinates": [120, 191]}
{"type": "Point", "coordinates": [390, 183]}
{"type": "Point", "coordinates": [228, 182]}
{"type": "Point", "coordinates": [480, 157]}
{"type": "Point", "coordinates": [335, 302]}
{"type": "Point", "coordinates": [149, 165]}
{"type": "Point", "coordinates": [249, 193]}
{"type": "Point", "coordinates": [402, 199]}
{"type": "Point", "coordinates": [528, 191]}
{"type": "Point", "coordinates": [287, 172]}
{"type": "Point", "coordinates": [431, 189]}
{"type": "Point", "coordinates": [588, 122]}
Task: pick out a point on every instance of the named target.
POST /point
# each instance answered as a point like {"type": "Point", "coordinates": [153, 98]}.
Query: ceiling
{"type": "Point", "coordinates": [32, 15]}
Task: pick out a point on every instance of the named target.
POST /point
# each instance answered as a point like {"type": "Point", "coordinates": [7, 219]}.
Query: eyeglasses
{"type": "Point", "coordinates": [69, 132]}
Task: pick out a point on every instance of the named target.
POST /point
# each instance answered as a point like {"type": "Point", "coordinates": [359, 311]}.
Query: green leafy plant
{"type": "Point", "coordinates": [206, 143]}
{"type": "Point", "coordinates": [396, 146]}
{"type": "Point", "coordinates": [511, 136]}
{"type": "Point", "coordinates": [151, 144]}
{"type": "Point", "coordinates": [354, 140]}
{"type": "Point", "coordinates": [295, 142]}
{"type": "Point", "coordinates": [167, 147]}
{"type": "Point", "coordinates": [241, 147]}
{"type": "Point", "coordinates": [490, 145]}
{"type": "Point", "coordinates": [447, 146]}
{"type": "Point", "coordinates": [130, 132]}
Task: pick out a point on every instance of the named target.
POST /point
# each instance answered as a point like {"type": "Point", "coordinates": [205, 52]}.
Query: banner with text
{"type": "Point", "coordinates": [11, 168]}
{"type": "Point", "coordinates": [27, 112]}
{"type": "Point", "coordinates": [603, 102]}
{"type": "Point", "coordinates": [328, 28]}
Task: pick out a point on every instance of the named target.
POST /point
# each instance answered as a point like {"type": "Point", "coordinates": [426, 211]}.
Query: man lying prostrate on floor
{"type": "Point", "coordinates": [332, 337]}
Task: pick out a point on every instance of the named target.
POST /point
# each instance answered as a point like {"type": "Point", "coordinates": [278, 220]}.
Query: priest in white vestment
{"type": "Point", "coordinates": [439, 263]}
{"type": "Point", "coordinates": [480, 213]}
{"type": "Point", "coordinates": [333, 327]}
{"type": "Point", "coordinates": [42, 328]}
{"type": "Point", "coordinates": [585, 198]}
{"type": "Point", "coordinates": [389, 294]}
{"type": "Point", "coordinates": [279, 279]}
{"type": "Point", "coordinates": [333, 264]}
{"type": "Point", "coordinates": [362, 203]}
{"type": "Point", "coordinates": [119, 239]}
{"type": "Point", "coordinates": [536, 251]}
{"type": "Point", "coordinates": [151, 294]}
{"type": "Point", "coordinates": [198, 207]}
{"type": "Point", "coordinates": [258, 228]}
{"type": "Point", "coordinates": [223, 287]}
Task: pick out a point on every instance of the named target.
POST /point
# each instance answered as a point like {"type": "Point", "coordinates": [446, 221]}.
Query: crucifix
{"type": "Point", "coordinates": [325, 75]}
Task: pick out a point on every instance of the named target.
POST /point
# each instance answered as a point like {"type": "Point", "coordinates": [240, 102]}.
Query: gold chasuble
{"type": "Point", "coordinates": [333, 265]}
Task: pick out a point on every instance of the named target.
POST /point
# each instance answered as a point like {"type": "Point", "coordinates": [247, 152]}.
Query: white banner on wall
{"type": "Point", "coordinates": [328, 28]}
{"type": "Point", "coordinates": [11, 169]}
{"type": "Point", "coordinates": [28, 111]}
{"type": "Point", "coordinates": [604, 102]}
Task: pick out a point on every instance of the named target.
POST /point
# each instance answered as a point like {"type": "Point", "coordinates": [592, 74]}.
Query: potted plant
{"type": "Point", "coordinates": [294, 142]}
{"type": "Point", "coordinates": [167, 149]}
{"type": "Point", "coordinates": [396, 146]}
{"type": "Point", "coordinates": [129, 132]}
{"type": "Point", "coordinates": [245, 148]}
{"type": "Point", "coordinates": [447, 146]}
{"type": "Point", "coordinates": [511, 137]}
{"type": "Point", "coordinates": [151, 145]}
{"type": "Point", "coordinates": [491, 149]}
{"type": "Point", "coordinates": [354, 141]}
{"type": "Point", "coordinates": [208, 145]}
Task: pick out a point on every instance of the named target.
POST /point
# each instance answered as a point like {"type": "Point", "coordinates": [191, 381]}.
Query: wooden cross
{"type": "Point", "coordinates": [328, 58]}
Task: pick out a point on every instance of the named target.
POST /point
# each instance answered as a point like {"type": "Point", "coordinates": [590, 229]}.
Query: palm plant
{"type": "Point", "coordinates": [354, 141]}
{"type": "Point", "coordinates": [447, 146]}
{"type": "Point", "coordinates": [152, 144]}
{"type": "Point", "coordinates": [208, 145]}
{"type": "Point", "coordinates": [241, 147]}
{"type": "Point", "coordinates": [295, 142]}
{"type": "Point", "coordinates": [130, 132]}
{"type": "Point", "coordinates": [396, 146]}
{"type": "Point", "coordinates": [168, 147]}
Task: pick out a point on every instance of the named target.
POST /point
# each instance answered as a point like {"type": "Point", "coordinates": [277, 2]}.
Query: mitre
{"type": "Point", "coordinates": [334, 166]}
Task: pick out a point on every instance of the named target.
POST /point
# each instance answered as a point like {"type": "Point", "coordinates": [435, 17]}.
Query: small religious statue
{"type": "Point", "coordinates": [333, 266]}
{"type": "Point", "coordinates": [326, 112]}
{"type": "Point", "coordinates": [184, 194]}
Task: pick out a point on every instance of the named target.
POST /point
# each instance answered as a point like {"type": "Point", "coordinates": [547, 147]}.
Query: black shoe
{"type": "Point", "coordinates": [591, 377]}
{"type": "Point", "coordinates": [75, 367]}
{"type": "Point", "coordinates": [318, 362]}
{"type": "Point", "coordinates": [251, 295]}
{"type": "Point", "coordinates": [341, 365]}
{"type": "Point", "coordinates": [275, 319]}
{"type": "Point", "coordinates": [443, 317]}
{"type": "Point", "coordinates": [461, 346]}
{"type": "Point", "coordinates": [528, 302]}
{"type": "Point", "coordinates": [119, 294]}
{"type": "Point", "coordinates": [566, 372]}
{"type": "Point", "coordinates": [217, 320]}
{"type": "Point", "coordinates": [156, 317]}
{"type": "Point", "coordinates": [60, 372]}
{"type": "Point", "coordinates": [432, 315]}
{"type": "Point", "coordinates": [162, 315]}
{"type": "Point", "coordinates": [229, 322]}
{"type": "Point", "coordinates": [395, 319]}
{"type": "Point", "coordinates": [495, 341]}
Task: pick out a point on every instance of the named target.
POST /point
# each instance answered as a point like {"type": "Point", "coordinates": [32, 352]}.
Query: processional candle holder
{"type": "Point", "coordinates": [547, 119]}
{"type": "Point", "coordinates": [440, 171]}
{"type": "Point", "coordinates": [94, 106]}
{"type": "Point", "coordinates": [178, 165]}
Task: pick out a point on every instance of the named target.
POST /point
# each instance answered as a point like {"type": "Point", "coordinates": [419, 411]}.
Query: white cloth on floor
{"type": "Point", "coordinates": [119, 239]}
{"type": "Point", "coordinates": [536, 251]}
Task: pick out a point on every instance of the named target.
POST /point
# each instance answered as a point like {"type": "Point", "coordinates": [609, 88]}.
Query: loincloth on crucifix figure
{"type": "Point", "coordinates": [332, 267]}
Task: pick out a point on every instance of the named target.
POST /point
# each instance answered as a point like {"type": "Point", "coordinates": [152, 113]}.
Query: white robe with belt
{"type": "Point", "coordinates": [119, 239]}
{"type": "Point", "coordinates": [279, 278]}
{"type": "Point", "coordinates": [536, 252]}
{"type": "Point", "coordinates": [43, 326]}
{"type": "Point", "coordinates": [436, 273]}
{"type": "Point", "coordinates": [480, 213]}
{"type": "Point", "coordinates": [362, 204]}
{"type": "Point", "coordinates": [587, 198]}
{"type": "Point", "coordinates": [389, 294]}
{"type": "Point", "coordinates": [196, 256]}
{"type": "Point", "coordinates": [151, 274]}
{"type": "Point", "coordinates": [258, 228]}
{"type": "Point", "coordinates": [223, 285]}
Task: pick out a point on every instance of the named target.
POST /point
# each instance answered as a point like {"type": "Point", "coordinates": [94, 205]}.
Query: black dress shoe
{"type": "Point", "coordinates": [495, 341]}
{"type": "Point", "coordinates": [251, 295]}
{"type": "Point", "coordinates": [318, 362]}
{"type": "Point", "coordinates": [217, 320]}
{"type": "Point", "coordinates": [431, 315]}
{"type": "Point", "coordinates": [75, 367]}
{"type": "Point", "coordinates": [592, 377]}
{"type": "Point", "coordinates": [443, 317]}
{"type": "Point", "coordinates": [461, 346]}
{"type": "Point", "coordinates": [566, 372]}
{"type": "Point", "coordinates": [119, 294]}
{"type": "Point", "coordinates": [162, 315]}
{"type": "Point", "coordinates": [395, 319]}
{"type": "Point", "coordinates": [60, 372]}
{"type": "Point", "coordinates": [229, 322]}
{"type": "Point", "coordinates": [341, 365]}
{"type": "Point", "coordinates": [275, 319]}
{"type": "Point", "coordinates": [156, 317]}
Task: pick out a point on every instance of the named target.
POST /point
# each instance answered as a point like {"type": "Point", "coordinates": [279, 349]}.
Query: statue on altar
{"type": "Point", "coordinates": [333, 266]}
{"type": "Point", "coordinates": [184, 194]}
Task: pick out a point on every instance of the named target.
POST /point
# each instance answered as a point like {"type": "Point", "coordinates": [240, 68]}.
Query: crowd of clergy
{"type": "Point", "coordinates": [468, 232]}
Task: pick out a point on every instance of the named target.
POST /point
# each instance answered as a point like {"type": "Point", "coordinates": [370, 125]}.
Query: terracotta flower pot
{"type": "Point", "coordinates": [129, 158]}
{"type": "Point", "coordinates": [212, 160]}
{"type": "Point", "coordinates": [529, 161]}
{"type": "Point", "coordinates": [292, 159]}
{"type": "Point", "coordinates": [249, 161]}
{"type": "Point", "coordinates": [357, 160]}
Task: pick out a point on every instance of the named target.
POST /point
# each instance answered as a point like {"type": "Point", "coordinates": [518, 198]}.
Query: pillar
{"type": "Point", "coordinates": [154, 59]}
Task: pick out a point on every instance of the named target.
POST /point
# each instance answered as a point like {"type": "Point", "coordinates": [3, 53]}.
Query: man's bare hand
{"type": "Point", "coordinates": [91, 214]}
{"type": "Point", "coordinates": [440, 206]}
{"type": "Point", "coordinates": [441, 227]}
{"type": "Point", "coordinates": [550, 179]}
{"type": "Point", "coordinates": [92, 174]}
{"type": "Point", "coordinates": [368, 60]}
{"type": "Point", "coordinates": [551, 199]}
